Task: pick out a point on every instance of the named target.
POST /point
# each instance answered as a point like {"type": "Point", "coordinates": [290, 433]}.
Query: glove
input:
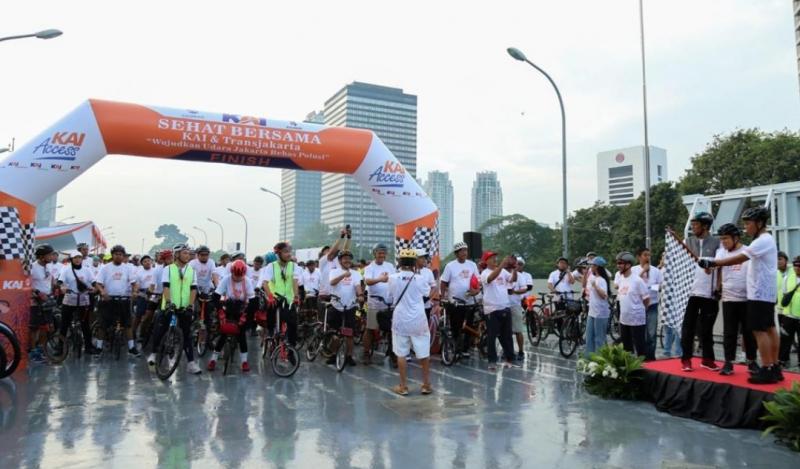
{"type": "Point", "coordinates": [271, 300]}
{"type": "Point", "coordinates": [706, 263]}
{"type": "Point", "coordinates": [296, 301]}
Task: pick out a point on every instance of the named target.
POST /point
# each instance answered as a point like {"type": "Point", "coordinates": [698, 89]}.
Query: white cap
{"type": "Point", "coordinates": [75, 254]}
{"type": "Point", "coordinates": [520, 260]}
{"type": "Point", "coordinates": [421, 252]}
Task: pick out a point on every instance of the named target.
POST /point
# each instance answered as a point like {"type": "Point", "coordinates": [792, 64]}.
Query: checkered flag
{"type": "Point", "coordinates": [424, 238]}
{"type": "Point", "coordinates": [16, 239]}
{"type": "Point", "coordinates": [679, 270]}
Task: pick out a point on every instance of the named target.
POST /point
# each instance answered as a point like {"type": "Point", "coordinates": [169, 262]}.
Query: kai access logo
{"type": "Point", "coordinates": [61, 146]}
{"type": "Point", "coordinates": [391, 174]}
{"type": "Point", "coordinates": [244, 120]}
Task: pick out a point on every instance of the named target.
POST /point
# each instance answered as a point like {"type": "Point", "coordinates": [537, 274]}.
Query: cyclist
{"type": "Point", "coordinates": [280, 278]}
{"type": "Point", "coordinates": [520, 289]}
{"type": "Point", "coordinates": [203, 267]}
{"type": "Point", "coordinates": [328, 258]}
{"type": "Point", "coordinates": [733, 282]}
{"type": "Point", "coordinates": [115, 282]}
{"type": "Point", "coordinates": [456, 284]}
{"type": "Point", "coordinates": [703, 301]}
{"type": "Point", "coordinates": [634, 298]}
{"type": "Point", "coordinates": [146, 281]}
{"type": "Point", "coordinates": [409, 327]}
{"type": "Point", "coordinates": [560, 280]}
{"type": "Point", "coordinates": [346, 291]}
{"type": "Point", "coordinates": [180, 292]}
{"type": "Point", "coordinates": [221, 270]}
{"type": "Point", "coordinates": [42, 299]}
{"type": "Point", "coordinates": [426, 273]}
{"type": "Point", "coordinates": [239, 295]}
{"type": "Point", "coordinates": [255, 272]}
{"type": "Point", "coordinates": [77, 280]}
{"type": "Point", "coordinates": [310, 282]}
{"type": "Point", "coordinates": [83, 248]}
{"type": "Point", "coordinates": [497, 279]}
{"type": "Point", "coordinates": [785, 282]}
{"type": "Point", "coordinates": [652, 277]}
{"type": "Point", "coordinates": [376, 278]}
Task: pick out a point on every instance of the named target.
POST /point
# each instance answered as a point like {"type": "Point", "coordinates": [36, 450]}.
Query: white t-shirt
{"type": "Point", "coordinates": [458, 276]}
{"type": "Point", "coordinates": [527, 280]}
{"type": "Point", "coordinates": [87, 262]}
{"type": "Point", "coordinates": [598, 306]}
{"type": "Point", "coordinates": [652, 278]}
{"type": "Point", "coordinates": [158, 271]}
{"type": "Point", "coordinates": [219, 272]}
{"type": "Point", "coordinates": [243, 290]}
{"type": "Point", "coordinates": [41, 279]}
{"type": "Point", "coordinates": [311, 282]}
{"type": "Point", "coordinates": [704, 284]}
{"type": "Point", "coordinates": [71, 298]}
{"type": "Point", "coordinates": [495, 293]}
{"type": "Point", "coordinates": [427, 275]}
{"type": "Point", "coordinates": [734, 277]}
{"type": "Point", "coordinates": [117, 280]}
{"type": "Point", "coordinates": [564, 287]}
{"type": "Point", "coordinates": [763, 269]}
{"type": "Point", "coordinates": [55, 269]}
{"type": "Point", "coordinates": [345, 289]}
{"type": "Point", "coordinates": [631, 293]}
{"type": "Point", "coordinates": [520, 284]}
{"type": "Point", "coordinates": [373, 272]}
{"type": "Point", "coordinates": [145, 278]}
{"type": "Point", "coordinates": [325, 267]}
{"type": "Point", "coordinates": [203, 272]}
{"type": "Point", "coordinates": [409, 317]}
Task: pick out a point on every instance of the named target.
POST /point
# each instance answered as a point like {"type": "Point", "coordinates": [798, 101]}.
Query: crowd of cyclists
{"type": "Point", "coordinates": [183, 303]}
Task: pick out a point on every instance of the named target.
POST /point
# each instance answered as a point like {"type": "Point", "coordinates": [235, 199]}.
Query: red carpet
{"type": "Point", "coordinates": [739, 377]}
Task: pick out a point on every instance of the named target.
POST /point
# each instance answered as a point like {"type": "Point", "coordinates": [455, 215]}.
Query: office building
{"type": "Point", "coordinates": [487, 200]}
{"type": "Point", "coordinates": [621, 175]}
{"type": "Point", "coordinates": [392, 115]}
{"type": "Point", "coordinates": [796, 10]}
{"type": "Point", "coordinates": [440, 190]}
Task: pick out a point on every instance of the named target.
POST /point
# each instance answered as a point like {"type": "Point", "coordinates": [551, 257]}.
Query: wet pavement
{"type": "Point", "coordinates": [117, 414]}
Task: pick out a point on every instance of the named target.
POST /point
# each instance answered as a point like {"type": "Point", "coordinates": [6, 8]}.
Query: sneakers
{"type": "Point", "coordinates": [493, 367]}
{"type": "Point", "coordinates": [132, 352]}
{"type": "Point", "coordinates": [245, 367]}
{"type": "Point", "coordinates": [426, 389]}
{"type": "Point", "coordinates": [764, 376]}
{"type": "Point", "coordinates": [521, 356]}
{"type": "Point", "coordinates": [349, 361]}
{"type": "Point", "coordinates": [752, 367]}
{"type": "Point", "coordinates": [91, 350]}
{"type": "Point", "coordinates": [193, 368]}
{"type": "Point", "coordinates": [777, 373]}
{"type": "Point", "coordinates": [686, 364]}
{"type": "Point", "coordinates": [510, 364]}
{"type": "Point", "coordinates": [151, 359]}
{"type": "Point", "coordinates": [727, 370]}
{"type": "Point", "coordinates": [212, 365]}
{"type": "Point", "coordinates": [709, 365]}
{"type": "Point", "coordinates": [464, 354]}
{"type": "Point", "coordinates": [401, 390]}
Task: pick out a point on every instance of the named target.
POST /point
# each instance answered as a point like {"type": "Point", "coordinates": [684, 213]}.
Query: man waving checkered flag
{"type": "Point", "coordinates": [679, 268]}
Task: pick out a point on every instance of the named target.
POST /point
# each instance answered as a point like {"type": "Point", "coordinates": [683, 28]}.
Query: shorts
{"type": "Point", "coordinates": [335, 318]}
{"type": "Point", "coordinates": [403, 344]}
{"type": "Point", "coordinates": [373, 308]}
{"type": "Point", "coordinates": [112, 310]}
{"type": "Point", "coordinates": [38, 317]}
{"type": "Point", "coordinates": [141, 306]}
{"type": "Point", "coordinates": [517, 319]}
{"type": "Point", "coordinates": [760, 315]}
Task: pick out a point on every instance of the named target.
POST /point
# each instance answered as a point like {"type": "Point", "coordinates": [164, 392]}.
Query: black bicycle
{"type": "Point", "coordinates": [59, 345]}
{"type": "Point", "coordinates": [169, 351]}
{"type": "Point", "coordinates": [9, 343]}
{"type": "Point", "coordinates": [446, 340]}
{"type": "Point", "coordinates": [284, 358]}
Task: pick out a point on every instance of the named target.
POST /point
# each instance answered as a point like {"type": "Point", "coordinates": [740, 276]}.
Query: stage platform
{"type": "Point", "coordinates": [707, 396]}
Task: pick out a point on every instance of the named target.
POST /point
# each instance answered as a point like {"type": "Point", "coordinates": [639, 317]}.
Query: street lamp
{"type": "Point", "coordinates": [44, 34]}
{"type": "Point", "coordinates": [518, 55]}
{"type": "Point", "coordinates": [245, 228]}
{"type": "Point", "coordinates": [284, 209]}
{"type": "Point", "coordinates": [646, 140]}
{"type": "Point", "coordinates": [205, 236]}
{"type": "Point", "coordinates": [194, 241]}
{"type": "Point", "coordinates": [221, 233]}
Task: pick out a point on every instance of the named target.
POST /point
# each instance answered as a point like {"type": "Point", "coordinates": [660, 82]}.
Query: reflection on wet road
{"type": "Point", "coordinates": [117, 414]}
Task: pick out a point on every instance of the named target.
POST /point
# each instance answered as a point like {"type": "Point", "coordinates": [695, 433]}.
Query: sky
{"type": "Point", "coordinates": [712, 67]}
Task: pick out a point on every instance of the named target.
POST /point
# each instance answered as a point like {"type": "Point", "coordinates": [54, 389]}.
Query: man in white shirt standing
{"type": "Point", "coordinates": [634, 297]}
{"type": "Point", "coordinates": [41, 301]}
{"type": "Point", "coordinates": [456, 286]}
{"type": "Point", "coordinates": [115, 281]}
{"type": "Point", "coordinates": [652, 277]}
{"type": "Point", "coordinates": [497, 279]}
{"type": "Point", "coordinates": [346, 294]}
{"type": "Point", "coordinates": [146, 281]}
{"type": "Point", "coordinates": [560, 280]}
{"type": "Point", "coordinates": [762, 291]}
{"type": "Point", "coordinates": [328, 259]}
{"type": "Point", "coordinates": [427, 274]}
{"type": "Point", "coordinates": [521, 288]}
{"type": "Point", "coordinates": [376, 277]}
{"type": "Point", "coordinates": [310, 281]}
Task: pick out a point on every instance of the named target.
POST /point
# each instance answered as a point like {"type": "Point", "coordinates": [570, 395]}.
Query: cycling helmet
{"type": "Point", "coordinates": [136, 257]}
{"type": "Point", "coordinates": [703, 217]}
{"type": "Point", "coordinates": [345, 253]}
{"type": "Point", "coordinates": [598, 261]}
{"type": "Point", "coordinates": [270, 257]}
{"type": "Point", "coordinates": [379, 247]}
{"type": "Point", "coordinates": [44, 250]}
{"type": "Point", "coordinates": [203, 249]}
{"type": "Point", "coordinates": [165, 254]}
{"type": "Point", "coordinates": [107, 257]}
{"type": "Point", "coordinates": [459, 246]}
{"type": "Point", "coordinates": [239, 268]}
{"type": "Point", "coordinates": [180, 247]}
{"type": "Point", "coordinates": [146, 256]}
{"type": "Point", "coordinates": [237, 255]}
{"type": "Point", "coordinates": [81, 246]}
{"type": "Point", "coordinates": [520, 260]}
{"type": "Point", "coordinates": [118, 249]}
{"type": "Point", "coordinates": [591, 254]}
{"type": "Point", "coordinates": [626, 257]}
{"type": "Point", "coordinates": [729, 229]}
{"type": "Point", "coordinates": [756, 214]}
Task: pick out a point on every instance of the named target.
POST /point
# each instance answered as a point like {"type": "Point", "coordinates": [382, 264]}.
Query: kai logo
{"type": "Point", "coordinates": [391, 174]}
{"type": "Point", "coordinates": [61, 146]}
{"type": "Point", "coordinates": [12, 284]}
{"type": "Point", "coordinates": [244, 120]}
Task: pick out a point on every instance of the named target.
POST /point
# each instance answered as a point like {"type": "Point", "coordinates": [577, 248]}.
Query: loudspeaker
{"type": "Point", "coordinates": [474, 241]}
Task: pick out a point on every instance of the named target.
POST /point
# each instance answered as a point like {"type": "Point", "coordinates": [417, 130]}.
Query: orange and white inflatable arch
{"type": "Point", "coordinates": [98, 128]}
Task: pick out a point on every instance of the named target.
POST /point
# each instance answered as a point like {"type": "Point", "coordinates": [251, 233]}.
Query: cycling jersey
{"type": "Point", "coordinates": [41, 280]}
{"type": "Point", "coordinates": [311, 282]}
{"type": "Point", "coordinates": [230, 289]}
{"type": "Point", "coordinates": [203, 272]}
{"type": "Point", "coordinates": [116, 279]}
{"type": "Point", "coordinates": [345, 289]}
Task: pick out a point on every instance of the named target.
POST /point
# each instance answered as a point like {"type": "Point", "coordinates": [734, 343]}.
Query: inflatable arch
{"type": "Point", "coordinates": [97, 128]}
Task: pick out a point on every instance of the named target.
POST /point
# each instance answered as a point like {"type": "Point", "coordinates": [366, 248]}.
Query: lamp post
{"type": "Point", "coordinates": [44, 34]}
{"type": "Point", "coordinates": [283, 202]}
{"type": "Point", "coordinates": [245, 228]}
{"type": "Point", "coordinates": [205, 236]}
{"type": "Point", "coordinates": [194, 240]}
{"type": "Point", "coordinates": [518, 55]}
{"type": "Point", "coordinates": [221, 233]}
{"type": "Point", "coordinates": [647, 239]}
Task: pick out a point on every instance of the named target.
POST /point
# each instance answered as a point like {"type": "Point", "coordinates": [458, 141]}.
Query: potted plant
{"type": "Point", "coordinates": [783, 413]}
{"type": "Point", "coordinates": [612, 373]}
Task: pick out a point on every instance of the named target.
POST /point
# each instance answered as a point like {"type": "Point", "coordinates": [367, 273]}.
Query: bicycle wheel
{"type": "Point", "coordinates": [56, 348]}
{"type": "Point", "coordinates": [285, 360]}
{"type": "Point", "coordinates": [169, 353]}
{"type": "Point", "coordinates": [200, 339]}
{"type": "Point", "coordinates": [327, 350]}
{"type": "Point", "coordinates": [2, 358]}
{"type": "Point", "coordinates": [10, 344]}
{"type": "Point", "coordinates": [533, 323]}
{"type": "Point", "coordinates": [341, 354]}
{"type": "Point", "coordinates": [227, 356]}
{"type": "Point", "coordinates": [76, 341]}
{"type": "Point", "coordinates": [614, 327]}
{"type": "Point", "coordinates": [483, 342]}
{"type": "Point", "coordinates": [116, 344]}
{"type": "Point", "coordinates": [358, 332]}
{"type": "Point", "coordinates": [313, 346]}
{"type": "Point", "coordinates": [568, 341]}
{"type": "Point", "coordinates": [448, 349]}
{"type": "Point", "coordinates": [545, 323]}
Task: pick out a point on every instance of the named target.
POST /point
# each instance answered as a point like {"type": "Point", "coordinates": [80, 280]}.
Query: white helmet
{"type": "Point", "coordinates": [459, 246]}
{"type": "Point", "coordinates": [520, 260]}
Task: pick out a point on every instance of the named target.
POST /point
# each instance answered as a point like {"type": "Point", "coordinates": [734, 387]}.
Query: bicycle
{"type": "Point", "coordinates": [383, 344]}
{"type": "Point", "coordinates": [446, 341]}
{"type": "Point", "coordinates": [534, 321]}
{"type": "Point", "coordinates": [9, 343]}
{"type": "Point", "coordinates": [229, 330]}
{"type": "Point", "coordinates": [474, 331]}
{"type": "Point", "coordinates": [199, 333]}
{"type": "Point", "coordinates": [283, 357]}
{"type": "Point", "coordinates": [614, 326]}
{"type": "Point", "coordinates": [170, 349]}
{"type": "Point", "coordinates": [334, 340]}
{"type": "Point", "coordinates": [146, 325]}
{"type": "Point", "coordinates": [58, 351]}
{"type": "Point", "coordinates": [571, 333]}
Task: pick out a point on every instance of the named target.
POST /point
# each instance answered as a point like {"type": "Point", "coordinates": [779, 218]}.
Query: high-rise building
{"type": "Point", "coordinates": [46, 211]}
{"type": "Point", "coordinates": [440, 189]}
{"type": "Point", "coordinates": [301, 192]}
{"type": "Point", "coordinates": [487, 200]}
{"type": "Point", "coordinates": [392, 115]}
{"type": "Point", "coordinates": [621, 175]}
{"type": "Point", "coordinates": [796, 9]}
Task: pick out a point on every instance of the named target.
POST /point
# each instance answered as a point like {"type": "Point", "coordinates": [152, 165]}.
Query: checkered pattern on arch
{"type": "Point", "coordinates": [16, 239]}
{"type": "Point", "coordinates": [424, 238]}
{"type": "Point", "coordinates": [679, 270]}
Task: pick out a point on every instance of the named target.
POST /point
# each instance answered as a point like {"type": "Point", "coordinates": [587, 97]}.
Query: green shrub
{"type": "Point", "coordinates": [612, 373]}
{"type": "Point", "coordinates": [783, 413]}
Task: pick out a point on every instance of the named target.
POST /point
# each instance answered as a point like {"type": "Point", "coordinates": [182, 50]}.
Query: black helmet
{"type": "Point", "coordinates": [729, 229]}
{"type": "Point", "coordinates": [703, 217]}
{"type": "Point", "coordinates": [379, 247]}
{"type": "Point", "coordinates": [203, 249]}
{"type": "Point", "coordinates": [81, 246]}
{"type": "Point", "coordinates": [626, 257]}
{"type": "Point", "coordinates": [756, 214]}
{"type": "Point", "coordinates": [43, 250]}
{"type": "Point", "coordinates": [118, 248]}
{"type": "Point", "coordinates": [344, 253]}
